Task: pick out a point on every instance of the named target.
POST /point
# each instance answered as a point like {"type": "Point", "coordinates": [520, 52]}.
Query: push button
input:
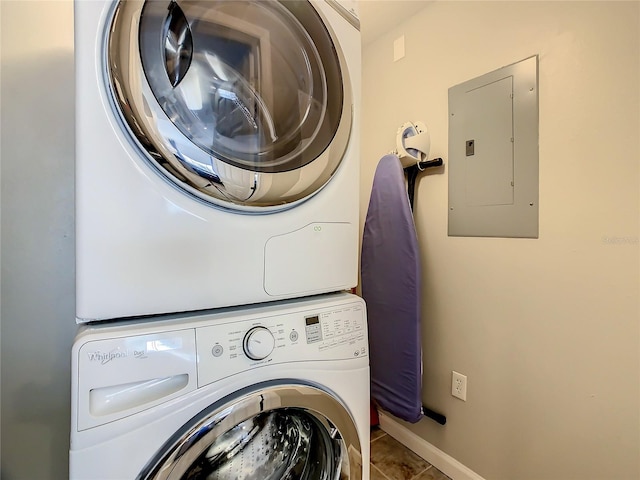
{"type": "Point", "coordinates": [217, 350]}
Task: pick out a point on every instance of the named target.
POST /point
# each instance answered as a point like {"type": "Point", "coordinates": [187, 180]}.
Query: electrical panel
{"type": "Point", "coordinates": [493, 153]}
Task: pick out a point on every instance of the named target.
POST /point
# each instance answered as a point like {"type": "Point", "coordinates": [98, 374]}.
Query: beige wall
{"type": "Point", "coordinates": [37, 152]}
{"type": "Point", "coordinates": [546, 330]}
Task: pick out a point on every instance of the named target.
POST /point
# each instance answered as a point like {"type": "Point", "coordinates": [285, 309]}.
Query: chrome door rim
{"type": "Point", "coordinates": [180, 161]}
{"type": "Point", "coordinates": [179, 453]}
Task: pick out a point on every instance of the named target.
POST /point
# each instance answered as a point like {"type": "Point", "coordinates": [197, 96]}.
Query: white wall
{"type": "Point", "coordinates": [37, 115]}
{"type": "Point", "coordinates": [546, 330]}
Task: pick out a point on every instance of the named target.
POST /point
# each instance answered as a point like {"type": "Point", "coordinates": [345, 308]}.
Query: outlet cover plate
{"type": "Point", "coordinates": [459, 385]}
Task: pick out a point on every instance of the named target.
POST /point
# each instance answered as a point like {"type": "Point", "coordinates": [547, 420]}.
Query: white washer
{"type": "Point", "coordinates": [217, 153]}
{"type": "Point", "coordinates": [272, 392]}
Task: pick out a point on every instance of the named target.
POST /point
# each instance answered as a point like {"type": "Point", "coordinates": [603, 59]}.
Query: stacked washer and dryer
{"type": "Point", "coordinates": [217, 158]}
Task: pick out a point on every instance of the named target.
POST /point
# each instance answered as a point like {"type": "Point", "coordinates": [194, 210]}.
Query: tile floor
{"type": "Point", "coordinates": [390, 460]}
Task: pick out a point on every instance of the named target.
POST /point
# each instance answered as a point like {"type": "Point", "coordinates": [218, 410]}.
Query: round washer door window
{"type": "Point", "coordinates": [290, 432]}
{"type": "Point", "coordinates": [244, 104]}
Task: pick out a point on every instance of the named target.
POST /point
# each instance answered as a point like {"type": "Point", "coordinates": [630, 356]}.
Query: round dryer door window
{"type": "Point", "coordinates": [290, 432]}
{"type": "Point", "coordinates": [244, 104]}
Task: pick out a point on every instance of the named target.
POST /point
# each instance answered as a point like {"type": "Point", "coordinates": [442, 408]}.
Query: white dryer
{"type": "Point", "coordinates": [272, 392]}
{"type": "Point", "coordinates": [217, 153]}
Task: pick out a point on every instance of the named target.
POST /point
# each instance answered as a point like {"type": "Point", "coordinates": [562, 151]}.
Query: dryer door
{"type": "Point", "coordinates": [244, 104]}
{"type": "Point", "coordinates": [289, 432]}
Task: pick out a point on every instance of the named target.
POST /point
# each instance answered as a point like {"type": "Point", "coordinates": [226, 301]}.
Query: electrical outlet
{"type": "Point", "coordinates": [459, 385]}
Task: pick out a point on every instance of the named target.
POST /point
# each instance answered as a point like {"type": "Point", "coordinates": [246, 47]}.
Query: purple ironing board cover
{"type": "Point", "coordinates": [390, 277]}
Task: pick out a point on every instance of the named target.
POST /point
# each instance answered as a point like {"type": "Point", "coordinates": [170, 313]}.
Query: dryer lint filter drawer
{"type": "Point", "coordinates": [319, 257]}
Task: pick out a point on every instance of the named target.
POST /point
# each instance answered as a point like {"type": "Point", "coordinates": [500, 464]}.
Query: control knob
{"type": "Point", "coordinates": [258, 343]}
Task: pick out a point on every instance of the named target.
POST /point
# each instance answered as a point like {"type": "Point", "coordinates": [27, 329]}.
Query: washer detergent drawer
{"type": "Point", "coordinates": [319, 255]}
{"type": "Point", "coordinates": [121, 376]}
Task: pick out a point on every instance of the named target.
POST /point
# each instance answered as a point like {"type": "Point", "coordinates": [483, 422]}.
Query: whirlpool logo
{"type": "Point", "coordinates": [116, 354]}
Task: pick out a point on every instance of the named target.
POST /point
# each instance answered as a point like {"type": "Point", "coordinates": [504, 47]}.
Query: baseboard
{"type": "Point", "coordinates": [436, 457]}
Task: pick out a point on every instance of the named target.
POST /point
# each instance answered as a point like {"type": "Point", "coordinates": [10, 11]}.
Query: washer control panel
{"type": "Point", "coordinates": [330, 333]}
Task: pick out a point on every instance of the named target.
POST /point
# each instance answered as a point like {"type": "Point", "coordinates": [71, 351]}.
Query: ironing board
{"type": "Point", "coordinates": [390, 277]}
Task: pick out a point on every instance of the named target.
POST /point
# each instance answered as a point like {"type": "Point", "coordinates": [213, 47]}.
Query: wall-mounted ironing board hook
{"type": "Point", "coordinates": [413, 143]}
{"type": "Point", "coordinates": [412, 172]}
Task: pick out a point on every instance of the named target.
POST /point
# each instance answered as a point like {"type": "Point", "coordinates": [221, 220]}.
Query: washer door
{"type": "Point", "coordinates": [244, 104]}
{"type": "Point", "coordinates": [290, 432]}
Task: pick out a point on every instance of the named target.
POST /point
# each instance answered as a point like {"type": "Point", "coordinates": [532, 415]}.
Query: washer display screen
{"type": "Point", "coordinates": [313, 329]}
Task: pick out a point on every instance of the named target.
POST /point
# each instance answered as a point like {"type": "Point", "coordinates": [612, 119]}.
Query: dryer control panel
{"type": "Point", "coordinates": [335, 333]}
